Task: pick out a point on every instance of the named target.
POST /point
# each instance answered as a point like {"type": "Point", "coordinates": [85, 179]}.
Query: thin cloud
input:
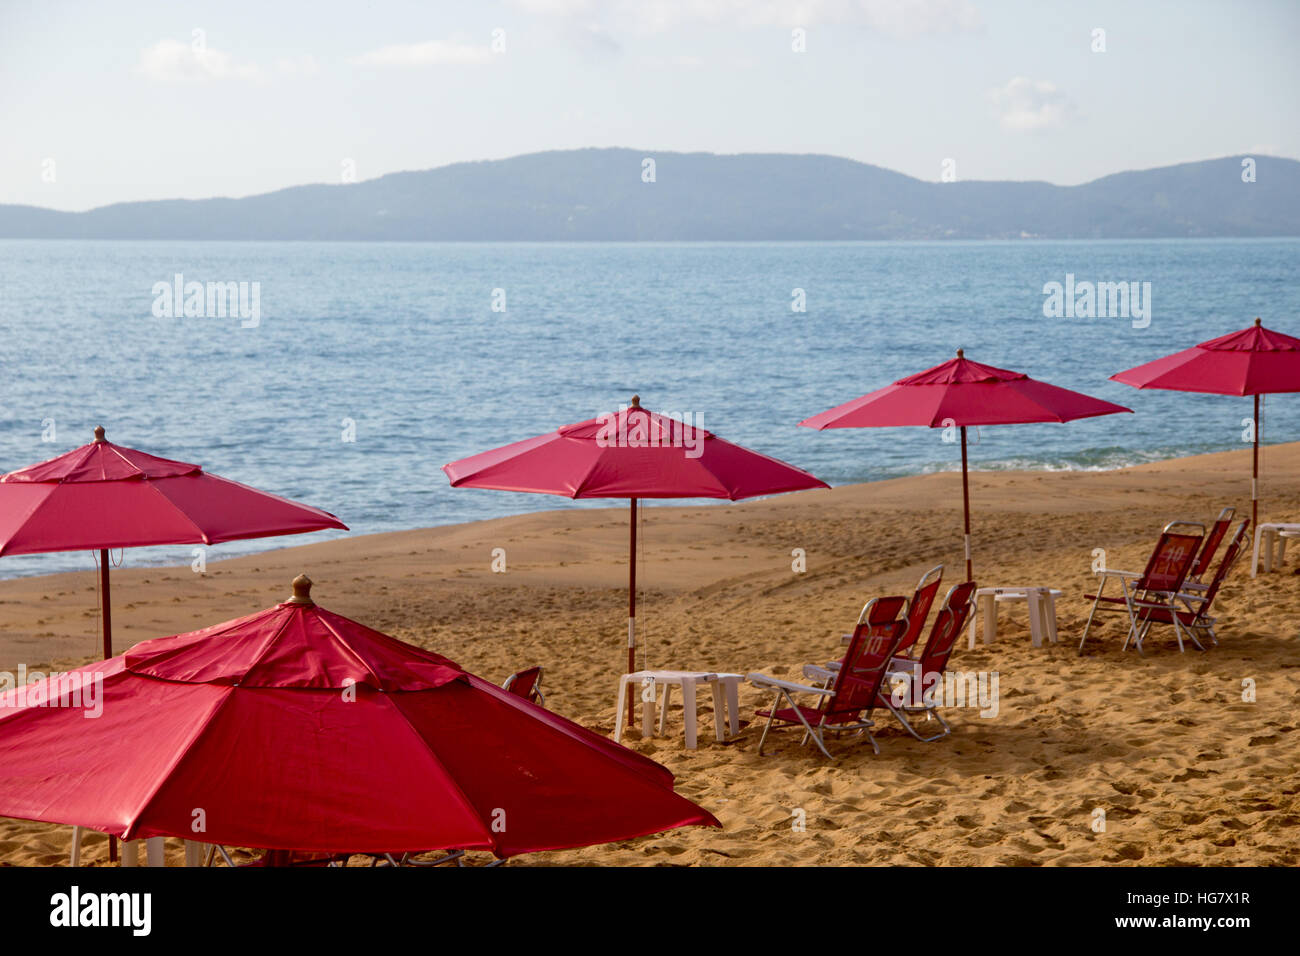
{"type": "Point", "coordinates": [429, 53]}
{"type": "Point", "coordinates": [679, 62]}
{"type": "Point", "coordinates": [1025, 104]}
{"type": "Point", "coordinates": [305, 65]}
{"type": "Point", "coordinates": [171, 61]}
{"type": "Point", "coordinates": [903, 17]}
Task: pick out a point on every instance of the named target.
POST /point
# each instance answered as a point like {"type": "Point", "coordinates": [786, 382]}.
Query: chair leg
{"type": "Point", "coordinates": [818, 738]}
{"type": "Point", "coordinates": [911, 729]}
{"type": "Point", "coordinates": [1097, 600]}
{"type": "Point", "coordinates": [1139, 636]}
{"type": "Point", "coordinates": [771, 716]}
{"type": "Point", "coordinates": [871, 738]}
{"type": "Point", "coordinates": [1132, 616]}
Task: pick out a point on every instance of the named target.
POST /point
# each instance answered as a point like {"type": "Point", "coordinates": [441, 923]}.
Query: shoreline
{"type": "Point", "coordinates": [1008, 466]}
{"type": "Point", "coordinates": [267, 572]}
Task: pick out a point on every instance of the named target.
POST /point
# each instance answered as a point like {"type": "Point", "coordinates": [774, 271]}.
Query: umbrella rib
{"type": "Point", "coordinates": [103, 472]}
{"type": "Point", "coordinates": [582, 485]}
{"type": "Point", "coordinates": [1037, 404]}
{"type": "Point", "coordinates": [350, 650]}
{"type": "Point", "coordinates": [266, 647]}
{"type": "Point", "coordinates": [181, 754]}
{"type": "Point", "coordinates": [31, 513]}
{"type": "Point", "coordinates": [203, 537]}
{"type": "Point", "coordinates": [509, 699]}
{"type": "Point", "coordinates": [447, 775]}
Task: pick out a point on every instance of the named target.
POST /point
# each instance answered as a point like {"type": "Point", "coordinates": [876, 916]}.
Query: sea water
{"type": "Point", "coordinates": [364, 367]}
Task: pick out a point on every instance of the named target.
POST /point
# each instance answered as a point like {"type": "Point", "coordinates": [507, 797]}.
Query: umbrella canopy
{"type": "Point", "coordinates": [634, 453]}
{"type": "Point", "coordinates": [1253, 361]}
{"type": "Point", "coordinates": [102, 496]}
{"type": "Point", "coordinates": [961, 393]}
{"type": "Point", "coordinates": [296, 728]}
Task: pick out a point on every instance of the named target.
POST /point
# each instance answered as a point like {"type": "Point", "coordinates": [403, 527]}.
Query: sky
{"type": "Point", "coordinates": [111, 102]}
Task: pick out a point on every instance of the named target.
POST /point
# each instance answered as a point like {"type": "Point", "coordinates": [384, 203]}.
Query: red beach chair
{"type": "Point", "coordinates": [527, 684]}
{"type": "Point", "coordinates": [1195, 618]}
{"type": "Point", "coordinates": [929, 667]}
{"type": "Point", "coordinates": [878, 616]}
{"type": "Point", "coordinates": [853, 693]}
{"type": "Point", "coordinates": [918, 609]}
{"type": "Point", "coordinates": [1212, 541]}
{"type": "Point", "coordinates": [1155, 588]}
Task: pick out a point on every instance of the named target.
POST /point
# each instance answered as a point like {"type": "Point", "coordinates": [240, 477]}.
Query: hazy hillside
{"type": "Point", "coordinates": [599, 194]}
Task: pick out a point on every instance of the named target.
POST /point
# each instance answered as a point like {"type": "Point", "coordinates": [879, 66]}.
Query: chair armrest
{"type": "Point", "coordinates": [1116, 573]}
{"type": "Point", "coordinates": [762, 680]}
{"type": "Point", "coordinates": [817, 672]}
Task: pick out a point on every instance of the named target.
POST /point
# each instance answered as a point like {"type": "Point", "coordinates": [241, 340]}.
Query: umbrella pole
{"type": "Point", "coordinates": [106, 611]}
{"type": "Point", "coordinates": [965, 502]}
{"type": "Point", "coordinates": [631, 610]}
{"type": "Point", "coordinates": [106, 604]}
{"type": "Point", "coordinates": [1254, 475]}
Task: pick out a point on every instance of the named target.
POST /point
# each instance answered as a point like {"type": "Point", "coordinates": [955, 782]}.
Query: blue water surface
{"type": "Point", "coordinates": [402, 340]}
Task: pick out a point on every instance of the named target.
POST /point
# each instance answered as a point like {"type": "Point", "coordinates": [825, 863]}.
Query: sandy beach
{"type": "Point", "coordinates": [1185, 770]}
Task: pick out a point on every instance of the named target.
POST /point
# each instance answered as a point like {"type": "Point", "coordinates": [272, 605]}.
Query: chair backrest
{"type": "Point", "coordinates": [918, 609]}
{"type": "Point", "coordinates": [1235, 547]}
{"type": "Point", "coordinates": [948, 625]}
{"type": "Point", "coordinates": [1212, 541]}
{"type": "Point", "coordinates": [1172, 558]}
{"type": "Point", "coordinates": [524, 683]}
{"type": "Point", "coordinates": [874, 642]}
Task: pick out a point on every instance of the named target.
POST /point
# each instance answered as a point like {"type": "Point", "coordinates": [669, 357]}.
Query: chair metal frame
{"type": "Point", "coordinates": [1157, 586]}
{"type": "Point", "coordinates": [1213, 539]}
{"type": "Point", "coordinates": [918, 608]}
{"type": "Point", "coordinates": [949, 624]}
{"type": "Point", "coordinates": [1194, 616]}
{"type": "Point", "coordinates": [873, 636]}
{"type": "Point", "coordinates": [535, 694]}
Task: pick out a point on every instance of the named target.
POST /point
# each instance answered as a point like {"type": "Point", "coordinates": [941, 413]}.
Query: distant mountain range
{"type": "Point", "coordinates": [600, 194]}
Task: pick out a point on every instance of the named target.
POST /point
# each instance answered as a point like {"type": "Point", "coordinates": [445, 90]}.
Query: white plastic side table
{"type": "Point", "coordinates": [1042, 612]}
{"type": "Point", "coordinates": [1272, 535]}
{"type": "Point", "coordinates": [688, 681]}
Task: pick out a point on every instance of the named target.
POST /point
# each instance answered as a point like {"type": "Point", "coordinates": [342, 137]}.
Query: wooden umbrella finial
{"type": "Point", "coordinates": [636, 401]}
{"type": "Point", "coordinates": [99, 433]}
{"type": "Point", "coordinates": [301, 591]}
{"type": "Point", "coordinates": [1258, 323]}
{"type": "Point", "coordinates": [961, 353]}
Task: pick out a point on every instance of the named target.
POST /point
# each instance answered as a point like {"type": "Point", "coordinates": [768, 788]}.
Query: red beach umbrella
{"type": "Point", "coordinates": [102, 496]}
{"type": "Point", "coordinates": [298, 729]}
{"type": "Point", "coordinates": [961, 393]}
{"type": "Point", "coordinates": [1253, 361]}
{"type": "Point", "coordinates": [633, 454]}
